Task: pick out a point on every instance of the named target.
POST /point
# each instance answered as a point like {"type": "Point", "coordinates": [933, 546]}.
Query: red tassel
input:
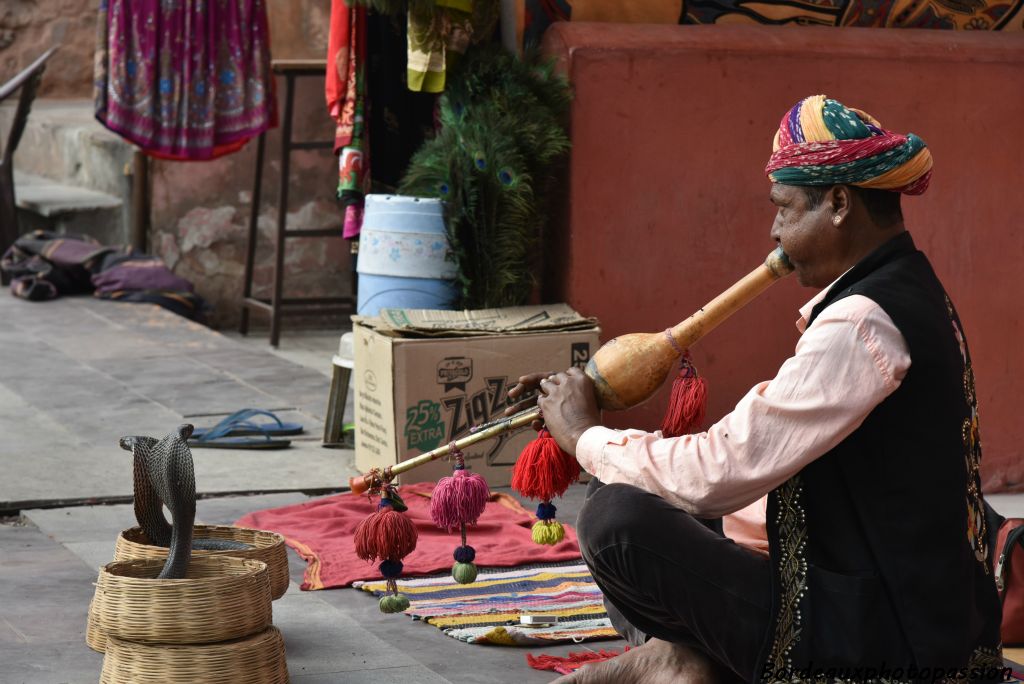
{"type": "Point", "coordinates": [688, 403]}
{"type": "Point", "coordinates": [385, 535]}
{"type": "Point", "coordinates": [570, 663]}
{"type": "Point", "coordinates": [544, 470]}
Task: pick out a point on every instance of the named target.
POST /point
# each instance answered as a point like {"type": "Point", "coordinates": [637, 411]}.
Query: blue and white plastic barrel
{"type": "Point", "coordinates": [403, 252]}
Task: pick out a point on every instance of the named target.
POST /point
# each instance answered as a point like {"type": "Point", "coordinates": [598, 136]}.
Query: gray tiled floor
{"type": "Point", "coordinates": [77, 373]}
{"type": "Point", "coordinates": [338, 635]}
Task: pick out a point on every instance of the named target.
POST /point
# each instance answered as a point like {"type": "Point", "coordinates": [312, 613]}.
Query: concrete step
{"type": "Point", "coordinates": [64, 142]}
{"type": "Point", "coordinates": [50, 198]}
{"type": "Point", "coordinates": [90, 168]}
{"type": "Point", "coordinates": [49, 205]}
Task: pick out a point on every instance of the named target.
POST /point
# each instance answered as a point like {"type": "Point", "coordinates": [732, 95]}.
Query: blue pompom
{"type": "Point", "coordinates": [465, 554]}
{"type": "Point", "coordinates": [546, 510]}
{"type": "Point", "coordinates": [391, 569]}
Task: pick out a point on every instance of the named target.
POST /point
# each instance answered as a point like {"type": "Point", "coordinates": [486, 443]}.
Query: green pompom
{"type": "Point", "coordinates": [548, 532]}
{"type": "Point", "coordinates": [393, 603]}
{"type": "Point", "coordinates": [464, 573]}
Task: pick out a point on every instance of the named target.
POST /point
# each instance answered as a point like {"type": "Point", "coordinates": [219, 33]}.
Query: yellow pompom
{"type": "Point", "coordinates": [548, 532]}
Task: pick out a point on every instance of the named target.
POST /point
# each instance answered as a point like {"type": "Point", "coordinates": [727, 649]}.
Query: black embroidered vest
{"type": "Point", "coordinates": [879, 547]}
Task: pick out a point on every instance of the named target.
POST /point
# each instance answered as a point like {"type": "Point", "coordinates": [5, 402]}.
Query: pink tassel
{"type": "Point", "coordinates": [688, 403]}
{"type": "Point", "coordinates": [458, 500]}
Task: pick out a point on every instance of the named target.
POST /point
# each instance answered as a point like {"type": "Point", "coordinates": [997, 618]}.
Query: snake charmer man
{"type": "Point", "coordinates": [854, 541]}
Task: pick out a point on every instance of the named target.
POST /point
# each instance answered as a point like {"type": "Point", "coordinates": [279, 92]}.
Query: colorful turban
{"type": "Point", "coordinates": [823, 142]}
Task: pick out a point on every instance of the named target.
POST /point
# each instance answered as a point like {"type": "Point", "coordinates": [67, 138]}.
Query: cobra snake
{"type": "Point", "coordinates": [164, 476]}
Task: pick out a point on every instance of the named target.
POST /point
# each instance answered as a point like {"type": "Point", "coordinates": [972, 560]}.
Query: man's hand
{"type": "Point", "coordinates": [525, 387]}
{"type": "Point", "coordinates": [569, 406]}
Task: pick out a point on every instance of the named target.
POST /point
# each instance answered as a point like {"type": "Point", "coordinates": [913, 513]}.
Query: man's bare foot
{"type": "Point", "coordinates": [656, 662]}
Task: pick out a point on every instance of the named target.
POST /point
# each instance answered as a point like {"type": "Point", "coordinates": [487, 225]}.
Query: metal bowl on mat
{"type": "Point", "coordinates": [220, 598]}
{"type": "Point", "coordinates": [265, 546]}
{"type": "Point", "coordinates": [256, 659]}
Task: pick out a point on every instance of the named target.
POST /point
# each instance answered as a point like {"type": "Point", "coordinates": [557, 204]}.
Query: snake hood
{"type": "Point", "coordinates": [164, 476]}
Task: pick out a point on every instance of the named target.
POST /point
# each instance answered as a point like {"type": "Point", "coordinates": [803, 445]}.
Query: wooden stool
{"type": "Point", "coordinates": [278, 305]}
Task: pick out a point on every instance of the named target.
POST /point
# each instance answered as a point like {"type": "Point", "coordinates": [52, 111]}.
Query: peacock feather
{"type": "Point", "coordinates": [493, 162]}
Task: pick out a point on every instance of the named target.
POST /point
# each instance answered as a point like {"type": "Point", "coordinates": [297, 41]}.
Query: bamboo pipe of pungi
{"type": "Point", "coordinates": [626, 370]}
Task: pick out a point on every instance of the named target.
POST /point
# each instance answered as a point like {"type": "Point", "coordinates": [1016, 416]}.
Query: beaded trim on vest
{"type": "Point", "coordinates": [985, 664]}
{"type": "Point", "coordinates": [977, 533]}
{"type": "Point", "coordinates": [792, 526]}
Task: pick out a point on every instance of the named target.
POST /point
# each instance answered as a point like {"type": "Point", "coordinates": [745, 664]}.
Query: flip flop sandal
{"type": "Point", "coordinates": [239, 425]}
{"type": "Point", "coordinates": [220, 439]}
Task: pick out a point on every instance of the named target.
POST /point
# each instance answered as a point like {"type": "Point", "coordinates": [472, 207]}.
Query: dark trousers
{"type": "Point", "coordinates": [665, 574]}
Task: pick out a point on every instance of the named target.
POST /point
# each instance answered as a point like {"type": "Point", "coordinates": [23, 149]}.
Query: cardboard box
{"type": "Point", "coordinates": [423, 378]}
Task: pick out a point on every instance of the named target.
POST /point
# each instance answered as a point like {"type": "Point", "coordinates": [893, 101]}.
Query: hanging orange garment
{"type": "Point", "coordinates": [337, 56]}
{"type": "Point", "coordinates": [344, 88]}
{"type": "Point", "coordinates": [346, 55]}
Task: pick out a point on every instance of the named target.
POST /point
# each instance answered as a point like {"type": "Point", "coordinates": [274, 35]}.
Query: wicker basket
{"type": "Point", "coordinates": [221, 598]}
{"type": "Point", "coordinates": [266, 546]}
{"type": "Point", "coordinates": [94, 636]}
{"type": "Point", "coordinates": [256, 659]}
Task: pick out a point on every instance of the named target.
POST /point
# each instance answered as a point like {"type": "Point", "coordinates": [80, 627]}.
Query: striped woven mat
{"type": "Point", "coordinates": [487, 611]}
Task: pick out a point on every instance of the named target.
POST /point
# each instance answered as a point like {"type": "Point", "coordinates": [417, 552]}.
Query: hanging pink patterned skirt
{"type": "Point", "coordinates": [184, 79]}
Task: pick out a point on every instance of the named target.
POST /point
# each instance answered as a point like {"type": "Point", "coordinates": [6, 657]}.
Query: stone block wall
{"type": "Point", "coordinates": [29, 27]}
{"type": "Point", "coordinates": [298, 29]}
{"type": "Point", "coordinates": [200, 217]}
{"type": "Point", "coordinates": [694, 111]}
{"type": "Point", "coordinates": [200, 210]}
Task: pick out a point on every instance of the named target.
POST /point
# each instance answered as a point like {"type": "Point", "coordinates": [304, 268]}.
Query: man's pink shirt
{"type": "Point", "coordinates": [846, 363]}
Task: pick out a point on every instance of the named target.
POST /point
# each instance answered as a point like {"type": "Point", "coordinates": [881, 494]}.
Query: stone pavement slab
{"type": "Point", "coordinates": [78, 373]}
{"type": "Point", "coordinates": [43, 459]}
{"type": "Point", "coordinates": [94, 523]}
{"type": "Point", "coordinates": [310, 348]}
{"type": "Point", "coordinates": [50, 198]}
{"type": "Point", "coordinates": [387, 675]}
{"type": "Point", "coordinates": [44, 597]}
{"type": "Point", "coordinates": [331, 636]}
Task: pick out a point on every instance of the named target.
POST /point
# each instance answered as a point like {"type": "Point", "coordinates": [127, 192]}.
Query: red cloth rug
{"type": "Point", "coordinates": [321, 532]}
{"type": "Point", "coordinates": [572, 662]}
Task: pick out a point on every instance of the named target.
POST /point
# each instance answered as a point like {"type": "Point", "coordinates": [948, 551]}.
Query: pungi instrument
{"type": "Point", "coordinates": [626, 371]}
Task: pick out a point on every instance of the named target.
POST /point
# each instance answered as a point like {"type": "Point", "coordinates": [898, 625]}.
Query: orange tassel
{"type": "Point", "coordinates": [544, 470]}
{"type": "Point", "coordinates": [385, 535]}
{"type": "Point", "coordinates": [688, 403]}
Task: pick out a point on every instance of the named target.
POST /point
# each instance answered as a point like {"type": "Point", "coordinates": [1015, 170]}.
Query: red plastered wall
{"type": "Point", "coordinates": [666, 202]}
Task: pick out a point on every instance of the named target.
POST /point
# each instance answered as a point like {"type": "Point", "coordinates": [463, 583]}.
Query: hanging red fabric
{"type": "Point", "coordinates": [346, 58]}
{"type": "Point", "coordinates": [345, 91]}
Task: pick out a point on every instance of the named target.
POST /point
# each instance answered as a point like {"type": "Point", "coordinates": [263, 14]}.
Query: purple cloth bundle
{"type": "Point", "coordinates": [139, 273]}
{"type": "Point", "coordinates": [44, 265]}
